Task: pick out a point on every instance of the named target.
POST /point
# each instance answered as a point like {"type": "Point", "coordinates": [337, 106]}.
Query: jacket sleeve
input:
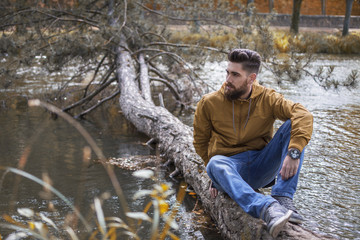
{"type": "Point", "coordinates": [202, 131]}
{"type": "Point", "coordinates": [301, 119]}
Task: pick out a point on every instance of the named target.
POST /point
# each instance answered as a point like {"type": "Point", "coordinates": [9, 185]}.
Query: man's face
{"type": "Point", "coordinates": [238, 81]}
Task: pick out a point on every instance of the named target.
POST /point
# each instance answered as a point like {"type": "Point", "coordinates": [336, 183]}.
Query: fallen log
{"type": "Point", "coordinates": [175, 144]}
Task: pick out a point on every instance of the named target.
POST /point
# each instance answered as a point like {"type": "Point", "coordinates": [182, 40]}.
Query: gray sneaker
{"type": "Point", "coordinates": [289, 204]}
{"type": "Point", "coordinates": [275, 216]}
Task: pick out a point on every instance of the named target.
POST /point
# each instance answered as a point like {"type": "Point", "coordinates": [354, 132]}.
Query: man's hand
{"type": "Point", "coordinates": [289, 168]}
{"type": "Point", "coordinates": [213, 191]}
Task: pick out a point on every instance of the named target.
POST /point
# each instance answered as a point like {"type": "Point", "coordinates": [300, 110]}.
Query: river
{"type": "Point", "coordinates": [328, 191]}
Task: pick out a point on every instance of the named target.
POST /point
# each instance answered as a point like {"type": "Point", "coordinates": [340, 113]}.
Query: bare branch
{"type": "Point", "coordinates": [89, 22]}
{"type": "Point", "coordinates": [182, 19]}
{"type": "Point", "coordinates": [90, 96]}
{"type": "Point", "coordinates": [171, 87]}
{"type": "Point", "coordinates": [75, 15]}
{"type": "Point", "coordinates": [181, 61]}
{"type": "Point", "coordinates": [125, 15]}
{"type": "Point", "coordinates": [186, 46]}
{"type": "Point", "coordinates": [117, 92]}
{"type": "Point", "coordinates": [162, 75]}
{"type": "Point", "coordinates": [144, 79]}
{"type": "Point", "coordinates": [96, 71]}
{"type": "Point", "coordinates": [72, 78]}
{"type": "Point", "coordinates": [155, 34]}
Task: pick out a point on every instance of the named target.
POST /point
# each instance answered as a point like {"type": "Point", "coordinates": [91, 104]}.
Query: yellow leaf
{"type": "Point", "coordinates": [164, 187]}
{"type": "Point", "coordinates": [164, 206]}
{"type": "Point", "coordinates": [9, 219]}
{"type": "Point", "coordinates": [31, 225]}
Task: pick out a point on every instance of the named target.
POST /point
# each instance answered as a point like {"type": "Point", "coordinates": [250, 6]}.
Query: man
{"type": "Point", "coordinates": [233, 129]}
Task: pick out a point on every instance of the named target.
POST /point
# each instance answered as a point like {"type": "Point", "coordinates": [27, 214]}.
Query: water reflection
{"type": "Point", "coordinates": [332, 172]}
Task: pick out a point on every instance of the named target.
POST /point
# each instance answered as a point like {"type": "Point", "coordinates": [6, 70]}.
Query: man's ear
{"type": "Point", "coordinates": [252, 78]}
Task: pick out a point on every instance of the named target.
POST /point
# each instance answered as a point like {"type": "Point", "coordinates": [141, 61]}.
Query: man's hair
{"type": "Point", "coordinates": [249, 59]}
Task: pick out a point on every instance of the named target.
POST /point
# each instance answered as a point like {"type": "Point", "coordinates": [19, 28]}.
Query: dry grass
{"type": "Point", "coordinates": [283, 40]}
{"type": "Point", "coordinates": [317, 42]}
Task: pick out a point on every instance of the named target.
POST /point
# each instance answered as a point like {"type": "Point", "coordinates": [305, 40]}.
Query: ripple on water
{"type": "Point", "coordinates": [332, 172]}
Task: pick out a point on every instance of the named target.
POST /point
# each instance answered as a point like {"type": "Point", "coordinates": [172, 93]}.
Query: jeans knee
{"type": "Point", "coordinates": [211, 164]}
{"type": "Point", "coordinates": [214, 163]}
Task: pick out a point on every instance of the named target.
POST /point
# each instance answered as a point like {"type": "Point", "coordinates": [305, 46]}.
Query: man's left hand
{"type": "Point", "coordinates": [289, 168]}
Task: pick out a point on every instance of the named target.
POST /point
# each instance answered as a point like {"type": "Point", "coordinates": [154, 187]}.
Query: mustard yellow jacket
{"type": "Point", "coordinates": [224, 127]}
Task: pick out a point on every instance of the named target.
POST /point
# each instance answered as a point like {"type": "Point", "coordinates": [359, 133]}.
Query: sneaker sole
{"type": "Point", "coordinates": [279, 224]}
{"type": "Point", "coordinates": [295, 220]}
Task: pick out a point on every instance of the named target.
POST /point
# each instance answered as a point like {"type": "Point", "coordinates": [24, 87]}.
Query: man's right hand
{"type": "Point", "coordinates": [213, 191]}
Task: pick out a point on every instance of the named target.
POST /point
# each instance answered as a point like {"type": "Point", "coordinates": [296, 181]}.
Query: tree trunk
{"type": "Point", "coordinates": [323, 7]}
{"type": "Point", "coordinates": [349, 4]}
{"type": "Point", "coordinates": [295, 18]}
{"type": "Point", "coordinates": [249, 10]}
{"type": "Point", "coordinates": [175, 144]}
{"type": "Point", "coordinates": [271, 6]}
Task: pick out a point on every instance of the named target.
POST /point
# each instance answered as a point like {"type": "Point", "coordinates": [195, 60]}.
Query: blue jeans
{"type": "Point", "coordinates": [240, 174]}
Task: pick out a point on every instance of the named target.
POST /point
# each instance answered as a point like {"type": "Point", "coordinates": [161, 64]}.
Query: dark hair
{"type": "Point", "coordinates": [249, 59]}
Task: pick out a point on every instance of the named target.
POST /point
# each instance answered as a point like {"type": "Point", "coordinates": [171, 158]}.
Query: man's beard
{"type": "Point", "coordinates": [234, 93]}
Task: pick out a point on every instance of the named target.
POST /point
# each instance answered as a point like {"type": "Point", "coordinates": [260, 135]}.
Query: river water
{"type": "Point", "coordinates": [328, 191]}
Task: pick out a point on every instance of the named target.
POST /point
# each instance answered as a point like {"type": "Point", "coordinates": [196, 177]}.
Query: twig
{"type": "Point", "coordinates": [155, 34]}
{"type": "Point", "coordinates": [125, 15]}
{"type": "Point", "coordinates": [181, 61]}
{"type": "Point", "coordinates": [161, 100]}
{"type": "Point", "coordinates": [98, 104]}
{"type": "Point", "coordinates": [172, 89]}
{"type": "Point", "coordinates": [186, 46]}
{"type": "Point", "coordinates": [71, 79]}
{"type": "Point", "coordinates": [96, 71]}
{"type": "Point", "coordinates": [158, 72]}
{"type": "Point", "coordinates": [89, 97]}
{"type": "Point", "coordinates": [181, 19]}
{"type": "Point", "coordinates": [197, 201]}
{"type": "Point", "coordinates": [89, 22]}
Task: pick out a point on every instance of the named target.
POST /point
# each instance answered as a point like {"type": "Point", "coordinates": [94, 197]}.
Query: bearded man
{"type": "Point", "coordinates": [233, 134]}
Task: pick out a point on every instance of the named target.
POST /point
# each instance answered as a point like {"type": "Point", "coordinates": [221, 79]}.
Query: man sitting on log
{"type": "Point", "coordinates": [233, 134]}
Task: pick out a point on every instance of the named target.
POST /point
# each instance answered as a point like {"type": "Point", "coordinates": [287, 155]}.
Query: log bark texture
{"type": "Point", "coordinates": [175, 143]}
